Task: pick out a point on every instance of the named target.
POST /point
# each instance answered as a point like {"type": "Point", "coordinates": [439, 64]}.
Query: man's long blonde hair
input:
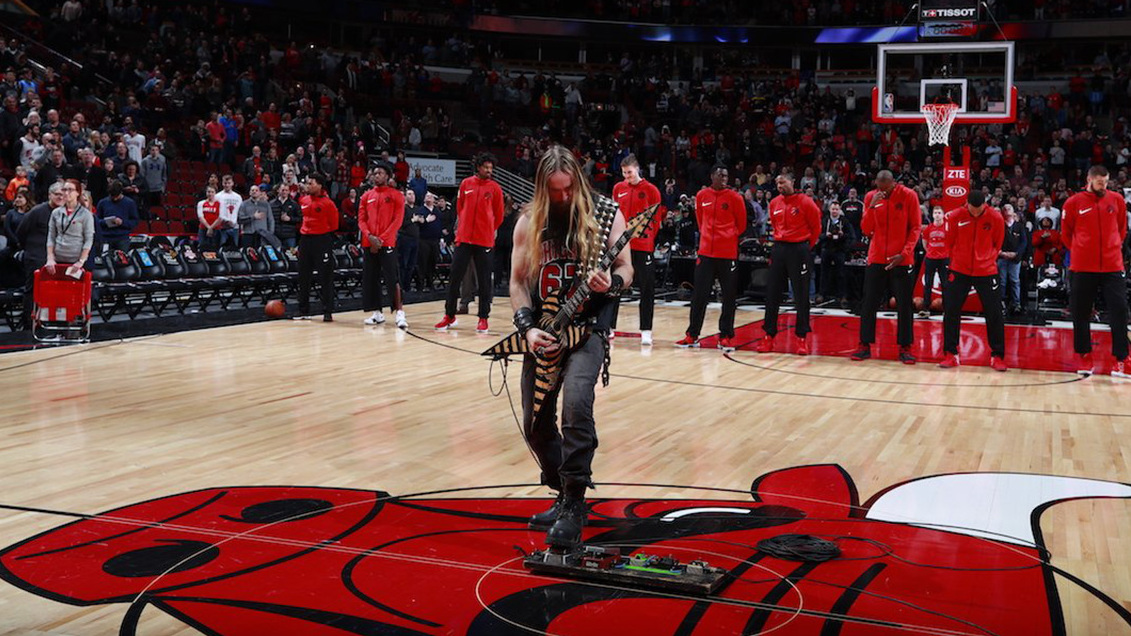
{"type": "Point", "coordinates": [583, 232]}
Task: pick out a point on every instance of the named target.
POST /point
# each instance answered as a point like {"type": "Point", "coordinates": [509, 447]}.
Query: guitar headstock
{"type": "Point", "coordinates": [638, 224]}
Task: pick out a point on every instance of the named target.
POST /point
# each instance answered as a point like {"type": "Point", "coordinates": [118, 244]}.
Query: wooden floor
{"type": "Point", "coordinates": [105, 425]}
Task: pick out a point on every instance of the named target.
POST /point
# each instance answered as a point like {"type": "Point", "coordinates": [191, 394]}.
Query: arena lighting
{"type": "Point", "coordinates": [867, 35]}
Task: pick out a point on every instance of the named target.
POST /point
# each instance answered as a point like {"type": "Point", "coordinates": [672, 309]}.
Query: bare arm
{"type": "Point", "coordinates": [520, 271]}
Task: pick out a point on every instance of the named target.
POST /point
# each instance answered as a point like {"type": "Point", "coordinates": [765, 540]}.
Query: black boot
{"type": "Point", "coordinates": [543, 520]}
{"type": "Point", "coordinates": [566, 531]}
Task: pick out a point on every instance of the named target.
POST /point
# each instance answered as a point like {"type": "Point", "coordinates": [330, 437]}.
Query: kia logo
{"type": "Point", "coordinates": [956, 191]}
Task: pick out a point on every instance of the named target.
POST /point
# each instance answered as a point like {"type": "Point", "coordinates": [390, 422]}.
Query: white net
{"type": "Point", "coordinates": [940, 117]}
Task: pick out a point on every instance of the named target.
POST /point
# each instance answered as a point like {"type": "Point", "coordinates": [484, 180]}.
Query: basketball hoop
{"type": "Point", "coordinates": [940, 117]}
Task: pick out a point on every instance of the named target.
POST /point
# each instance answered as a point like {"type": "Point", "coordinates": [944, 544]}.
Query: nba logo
{"type": "Point", "coordinates": [889, 103]}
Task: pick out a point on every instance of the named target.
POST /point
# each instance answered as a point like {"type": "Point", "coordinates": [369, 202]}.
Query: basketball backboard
{"type": "Point", "coordinates": [978, 76]}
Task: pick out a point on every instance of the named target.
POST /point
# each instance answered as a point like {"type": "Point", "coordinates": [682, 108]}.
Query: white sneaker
{"type": "Point", "coordinates": [646, 338]}
{"type": "Point", "coordinates": [376, 319]}
{"type": "Point", "coordinates": [302, 317]}
{"type": "Point", "coordinates": [400, 320]}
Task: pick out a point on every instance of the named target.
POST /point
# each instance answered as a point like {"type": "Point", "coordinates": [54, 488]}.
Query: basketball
{"type": "Point", "coordinates": [918, 300]}
{"type": "Point", "coordinates": [274, 309]}
{"type": "Point", "coordinates": [936, 304]}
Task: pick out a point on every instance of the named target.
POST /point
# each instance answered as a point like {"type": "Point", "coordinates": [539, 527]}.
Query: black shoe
{"type": "Point", "coordinates": [543, 520]}
{"type": "Point", "coordinates": [327, 317]}
{"type": "Point", "coordinates": [463, 310]}
{"type": "Point", "coordinates": [906, 357]}
{"type": "Point", "coordinates": [862, 353]}
{"type": "Point", "coordinates": [566, 531]}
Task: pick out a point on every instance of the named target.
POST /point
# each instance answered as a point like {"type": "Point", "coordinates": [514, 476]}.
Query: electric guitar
{"type": "Point", "coordinates": [558, 312]}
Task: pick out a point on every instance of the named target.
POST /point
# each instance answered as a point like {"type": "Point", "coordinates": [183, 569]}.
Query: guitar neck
{"type": "Point", "coordinates": [570, 307]}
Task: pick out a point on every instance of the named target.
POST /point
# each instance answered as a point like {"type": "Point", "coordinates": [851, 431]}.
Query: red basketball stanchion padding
{"type": "Point", "coordinates": [62, 306]}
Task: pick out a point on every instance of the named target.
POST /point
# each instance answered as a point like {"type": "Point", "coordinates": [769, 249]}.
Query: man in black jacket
{"type": "Point", "coordinates": [838, 234]}
{"type": "Point", "coordinates": [32, 235]}
{"type": "Point", "coordinates": [1014, 249]}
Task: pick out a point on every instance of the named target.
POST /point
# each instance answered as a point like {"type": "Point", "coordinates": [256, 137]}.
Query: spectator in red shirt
{"type": "Point", "coordinates": [216, 137]}
{"type": "Point", "coordinates": [974, 235]}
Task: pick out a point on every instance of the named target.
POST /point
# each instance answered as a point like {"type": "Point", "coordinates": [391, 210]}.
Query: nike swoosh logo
{"type": "Point", "coordinates": [964, 224]}
{"type": "Point", "coordinates": [1085, 211]}
{"type": "Point", "coordinates": [468, 191]}
{"type": "Point", "coordinates": [621, 195]}
{"type": "Point", "coordinates": [306, 207]}
{"type": "Point", "coordinates": [708, 203]}
{"type": "Point", "coordinates": [778, 212]}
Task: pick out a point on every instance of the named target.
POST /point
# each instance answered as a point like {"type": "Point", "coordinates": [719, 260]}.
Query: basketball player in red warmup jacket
{"type": "Point", "coordinates": [892, 222]}
{"type": "Point", "coordinates": [315, 246]}
{"type": "Point", "coordinates": [634, 195]}
{"type": "Point", "coordinates": [937, 258]}
{"type": "Point", "coordinates": [479, 213]}
{"type": "Point", "coordinates": [796, 220]}
{"type": "Point", "coordinates": [1093, 229]}
{"type": "Point", "coordinates": [380, 213]}
{"type": "Point", "coordinates": [721, 214]}
{"type": "Point", "coordinates": [974, 234]}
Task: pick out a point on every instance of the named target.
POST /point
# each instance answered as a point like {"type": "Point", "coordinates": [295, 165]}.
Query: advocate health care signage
{"type": "Point", "coordinates": [440, 172]}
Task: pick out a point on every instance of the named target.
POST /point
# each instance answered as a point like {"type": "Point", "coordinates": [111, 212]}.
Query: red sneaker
{"type": "Point", "coordinates": [1084, 364]}
{"type": "Point", "coordinates": [800, 346]}
{"type": "Point", "coordinates": [1121, 369]}
{"type": "Point", "coordinates": [688, 342]}
{"type": "Point", "coordinates": [482, 326]}
{"type": "Point", "coordinates": [765, 344]}
{"type": "Point", "coordinates": [863, 352]}
{"type": "Point", "coordinates": [448, 321]}
{"type": "Point", "coordinates": [727, 344]}
{"type": "Point", "coordinates": [998, 364]}
{"type": "Point", "coordinates": [949, 361]}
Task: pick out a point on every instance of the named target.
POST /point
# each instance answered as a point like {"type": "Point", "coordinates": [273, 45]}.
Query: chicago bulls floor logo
{"type": "Point", "coordinates": [928, 556]}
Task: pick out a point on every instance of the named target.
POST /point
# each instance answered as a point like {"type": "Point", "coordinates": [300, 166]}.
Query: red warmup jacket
{"type": "Point", "coordinates": [319, 214]}
{"type": "Point", "coordinates": [479, 211]}
{"type": "Point", "coordinates": [934, 240]}
{"type": "Point", "coordinates": [380, 211]}
{"type": "Point", "coordinates": [1093, 229]}
{"type": "Point", "coordinates": [795, 218]}
{"type": "Point", "coordinates": [892, 224]}
{"type": "Point", "coordinates": [721, 215]}
{"type": "Point", "coordinates": [634, 199]}
{"type": "Point", "coordinates": [974, 242]}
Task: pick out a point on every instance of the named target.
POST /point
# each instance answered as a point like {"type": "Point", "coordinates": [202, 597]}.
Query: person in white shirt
{"type": "Point", "coordinates": [1046, 211]}
{"type": "Point", "coordinates": [993, 154]}
{"type": "Point", "coordinates": [135, 143]}
{"type": "Point", "coordinates": [31, 151]}
{"type": "Point", "coordinates": [230, 202]}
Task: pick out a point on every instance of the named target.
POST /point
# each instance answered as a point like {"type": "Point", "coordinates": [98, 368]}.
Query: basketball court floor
{"type": "Point", "coordinates": [310, 478]}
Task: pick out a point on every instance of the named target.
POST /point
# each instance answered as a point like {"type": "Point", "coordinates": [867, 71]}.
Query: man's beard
{"type": "Point", "coordinates": [560, 208]}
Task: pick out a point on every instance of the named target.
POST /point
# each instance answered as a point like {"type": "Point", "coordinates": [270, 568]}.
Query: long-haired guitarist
{"type": "Point", "coordinates": [554, 238]}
